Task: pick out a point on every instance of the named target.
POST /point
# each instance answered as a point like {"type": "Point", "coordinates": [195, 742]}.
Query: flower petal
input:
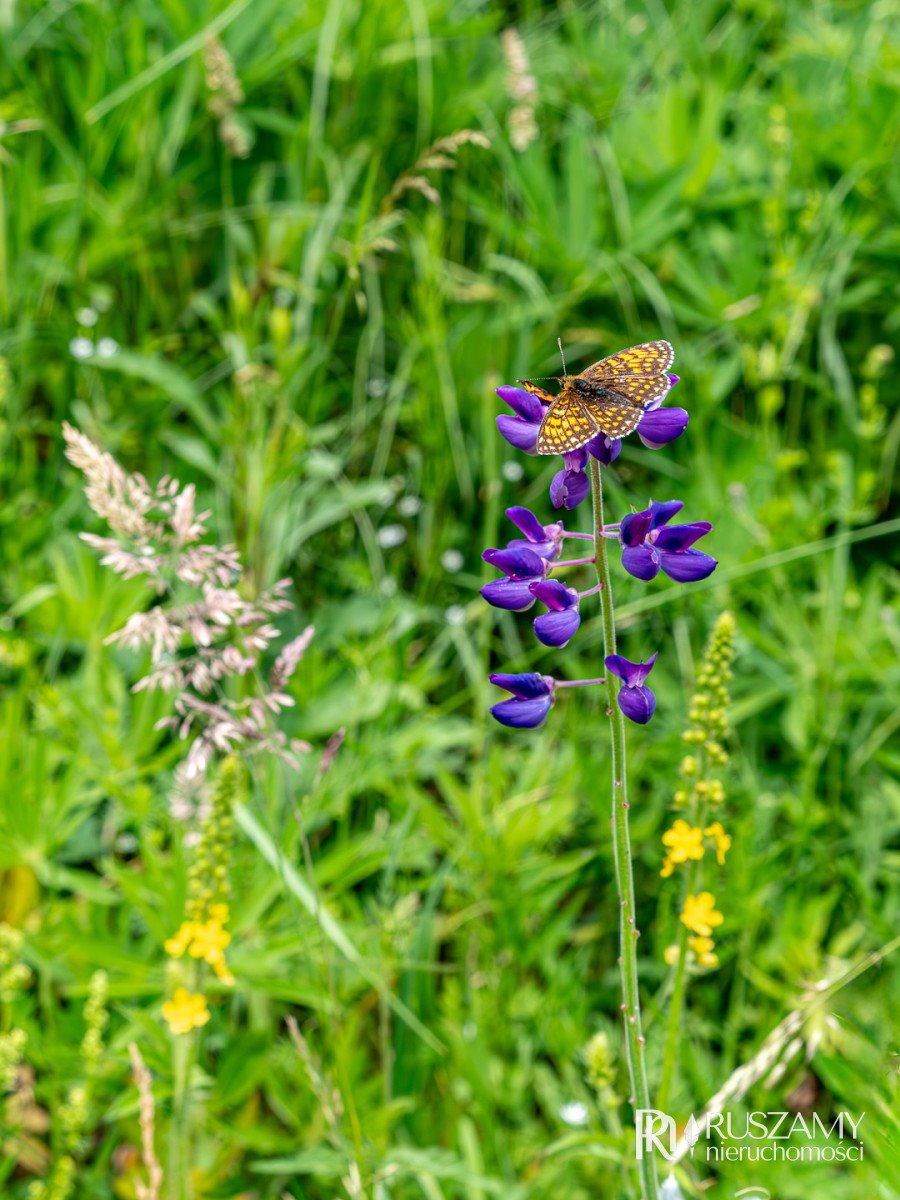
{"type": "Point", "coordinates": [604, 449]}
{"type": "Point", "coordinates": [634, 527]}
{"type": "Point", "coordinates": [659, 426]}
{"type": "Point", "coordinates": [526, 685]}
{"type": "Point", "coordinates": [641, 561]}
{"type": "Point", "coordinates": [519, 433]}
{"type": "Point", "coordinates": [637, 703]}
{"type": "Point", "coordinates": [556, 628]}
{"type": "Point", "coordinates": [687, 566]}
{"type": "Point", "coordinates": [511, 594]}
{"type": "Point", "coordinates": [662, 511]}
{"type": "Point", "coordinates": [522, 714]}
{"type": "Point", "coordinates": [524, 404]}
{"type": "Point", "coordinates": [575, 460]}
{"type": "Point", "coordinates": [569, 488]}
{"type": "Point", "coordinates": [679, 537]}
{"type": "Point", "coordinates": [554, 594]}
{"type": "Point", "coordinates": [525, 520]}
{"type": "Point", "coordinates": [518, 563]}
{"type": "Point", "coordinates": [547, 550]}
{"type": "Point", "coordinates": [631, 673]}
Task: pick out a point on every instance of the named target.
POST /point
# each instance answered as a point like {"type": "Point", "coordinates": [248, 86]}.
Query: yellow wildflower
{"type": "Point", "coordinates": [699, 914]}
{"type": "Point", "coordinates": [721, 838]}
{"type": "Point", "coordinates": [179, 942]}
{"type": "Point", "coordinates": [703, 949]}
{"type": "Point", "coordinates": [209, 941]}
{"type": "Point", "coordinates": [185, 1011]}
{"type": "Point", "coordinates": [684, 841]}
{"type": "Point", "coordinates": [205, 939]}
{"type": "Point", "coordinates": [670, 954]}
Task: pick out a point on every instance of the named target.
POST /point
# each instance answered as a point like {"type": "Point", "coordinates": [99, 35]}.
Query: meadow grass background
{"type": "Point", "coordinates": [317, 349]}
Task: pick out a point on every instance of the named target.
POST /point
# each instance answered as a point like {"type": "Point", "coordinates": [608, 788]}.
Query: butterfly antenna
{"type": "Point", "coordinates": [561, 355]}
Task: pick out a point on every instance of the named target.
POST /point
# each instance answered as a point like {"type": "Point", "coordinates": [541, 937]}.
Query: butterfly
{"type": "Point", "coordinates": [608, 397]}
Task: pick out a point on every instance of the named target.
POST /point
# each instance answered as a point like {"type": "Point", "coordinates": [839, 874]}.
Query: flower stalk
{"type": "Point", "coordinates": [628, 931]}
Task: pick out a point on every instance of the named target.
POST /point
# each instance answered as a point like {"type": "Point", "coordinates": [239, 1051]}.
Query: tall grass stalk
{"type": "Point", "coordinates": [628, 931]}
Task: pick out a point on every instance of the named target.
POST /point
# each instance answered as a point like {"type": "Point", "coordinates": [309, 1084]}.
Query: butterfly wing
{"type": "Point", "coordinates": [639, 390]}
{"type": "Point", "coordinates": [568, 423]}
{"type": "Point", "coordinates": [544, 397]}
{"type": "Point", "coordinates": [650, 358]}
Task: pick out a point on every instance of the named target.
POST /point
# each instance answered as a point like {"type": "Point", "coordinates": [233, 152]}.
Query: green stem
{"type": "Point", "coordinates": [679, 982]}
{"type": "Point", "coordinates": [676, 1008]}
{"type": "Point", "coordinates": [628, 931]}
{"type": "Point", "coordinates": [178, 1158]}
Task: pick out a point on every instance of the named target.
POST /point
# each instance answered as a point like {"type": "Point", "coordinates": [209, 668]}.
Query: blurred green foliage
{"type": "Point", "coordinates": [250, 286]}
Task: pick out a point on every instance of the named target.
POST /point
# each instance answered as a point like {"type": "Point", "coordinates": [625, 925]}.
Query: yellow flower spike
{"type": "Point", "coordinates": [721, 839]}
{"type": "Point", "coordinates": [683, 841]}
{"type": "Point", "coordinates": [699, 914]}
{"type": "Point", "coordinates": [185, 1011]}
{"type": "Point", "coordinates": [703, 950]}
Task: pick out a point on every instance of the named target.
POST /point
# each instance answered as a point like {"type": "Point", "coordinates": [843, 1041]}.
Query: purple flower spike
{"type": "Point", "coordinates": [635, 699]}
{"type": "Point", "coordinates": [649, 544]}
{"type": "Point", "coordinates": [521, 430]}
{"type": "Point", "coordinates": [544, 540]}
{"type": "Point", "coordinates": [532, 698]}
{"type": "Point", "coordinates": [556, 627]}
{"type": "Point", "coordinates": [571, 485]}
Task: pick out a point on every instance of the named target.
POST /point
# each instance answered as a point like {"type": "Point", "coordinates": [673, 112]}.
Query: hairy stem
{"type": "Point", "coordinates": [628, 931]}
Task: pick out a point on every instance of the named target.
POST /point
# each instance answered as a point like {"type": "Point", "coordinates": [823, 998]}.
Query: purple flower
{"type": "Point", "coordinates": [570, 485]}
{"type": "Point", "coordinates": [658, 425]}
{"type": "Point", "coordinates": [521, 430]}
{"type": "Point", "coordinates": [636, 700]}
{"type": "Point", "coordinates": [532, 698]}
{"type": "Point", "coordinates": [649, 543]}
{"type": "Point", "coordinates": [556, 627]}
{"type": "Point", "coordinates": [544, 540]}
{"type": "Point", "coordinates": [521, 566]}
{"type": "Point", "coordinates": [604, 449]}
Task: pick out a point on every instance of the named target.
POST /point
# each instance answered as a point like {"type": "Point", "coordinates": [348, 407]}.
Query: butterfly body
{"type": "Point", "coordinates": [608, 397]}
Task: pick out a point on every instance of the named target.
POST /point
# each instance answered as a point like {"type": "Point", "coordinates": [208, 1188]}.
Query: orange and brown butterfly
{"type": "Point", "coordinates": [608, 397]}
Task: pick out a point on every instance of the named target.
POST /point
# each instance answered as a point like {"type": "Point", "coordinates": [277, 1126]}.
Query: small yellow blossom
{"type": "Point", "coordinates": [684, 841]}
{"type": "Point", "coordinates": [703, 949]}
{"type": "Point", "coordinates": [721, 838]}
{"type": "Point", "coordinates": [670, 954]}
{"type": "Point", "coordinates": [210, 941]}
{"type": "Point", "coordinates": [699, 914]}
{"type": "Point", "coordinates": [205, 939]}
{"type": "Point", "coordinates": [185, 1011]}
{"type": "Point", "coordinates": [179, 942]}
